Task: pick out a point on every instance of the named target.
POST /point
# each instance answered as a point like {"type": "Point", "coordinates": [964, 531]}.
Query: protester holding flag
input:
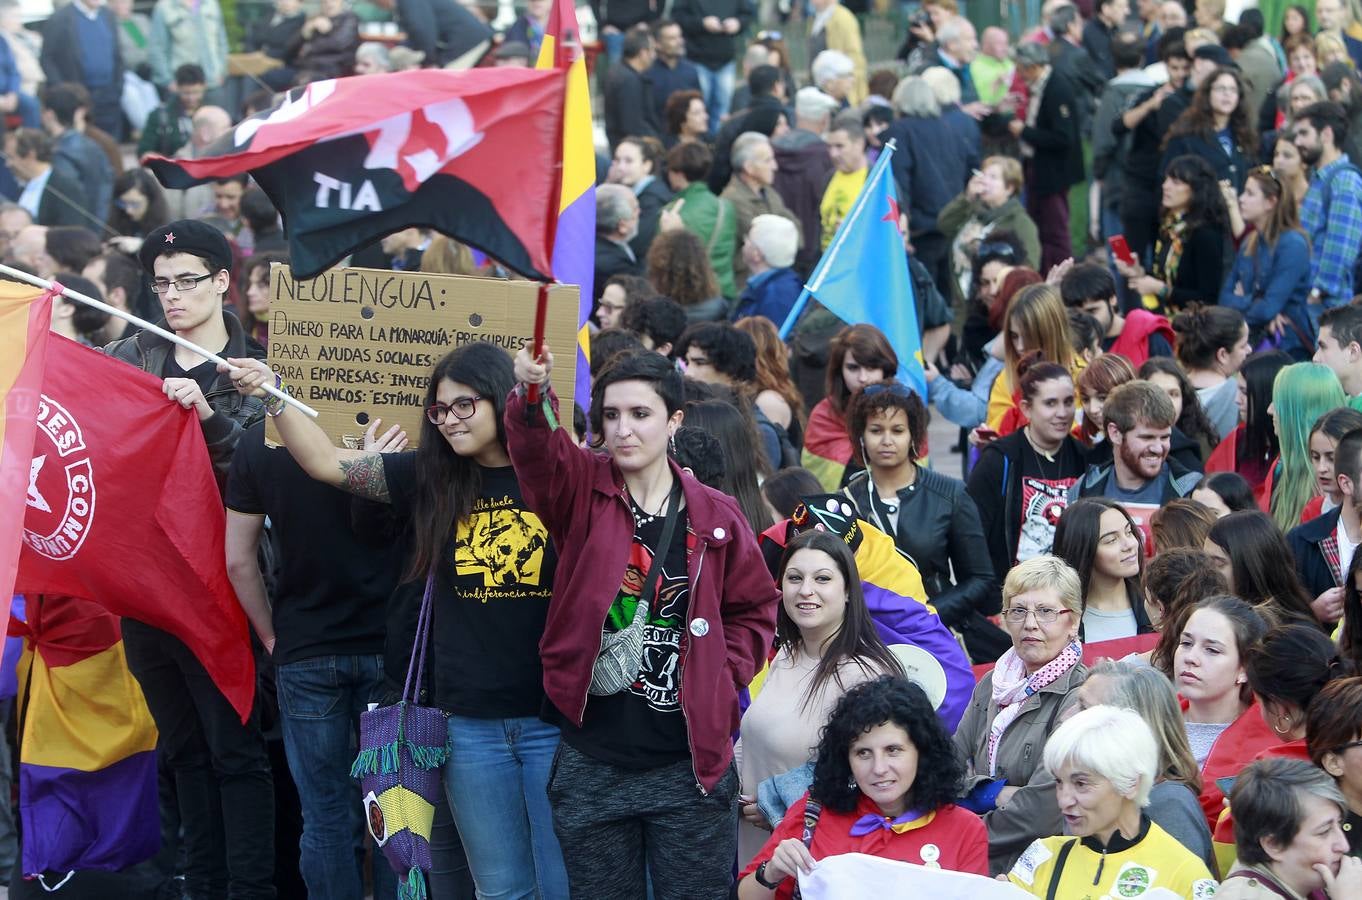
{"type": "Point", "coordinates": [493, 569]}
{"type": "Point", "coordinates": [884, 784]}
{"type": "Point", "coordinates": [1016, 706]}
{"type": "Point", "coordinates": [647, 722]}
{"type": "Point", "coordinates": [826, 644]}
{"type": "Point", "coordinates": [204, 742]}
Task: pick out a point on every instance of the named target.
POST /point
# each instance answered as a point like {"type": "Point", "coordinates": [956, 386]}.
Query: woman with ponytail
{"type": "Point", "coordinates": [1212, 344]}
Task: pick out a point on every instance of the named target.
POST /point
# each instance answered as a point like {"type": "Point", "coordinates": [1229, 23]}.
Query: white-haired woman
{"type": "Point", "coordinates": [1015, 707]}
{"type": "Point", "coordinates": [1104, 761]}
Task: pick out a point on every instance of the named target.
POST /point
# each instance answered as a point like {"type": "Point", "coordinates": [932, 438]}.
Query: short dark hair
{"type": "Point", "coordinates": [661, 24]}
{"type": "Point", "coordinates": [1127, 50]}
{"type": "Point", "coordinates": [1063, 18]}
{"type": "Point", "coordinates": [653, 369]}
{"type": "Point", "coordinates": [1348, 456]}
{"type": "Point", "coordinates": [72, 246]}
{"type": "Point", "coordinates": [786, 489]}
{"type": "Point", "coordinates": [1232, 488]}
{"type": "Point", "coordinates": [190, 73]}
{"type": "Point", "coordinates": [660, 318]}
{"type": "Point", "coordinates": [1135, 402]}
{"type": "Point", "coordinates": [87, 320]}
{"type": "Point", "coordinates": [608, 343]}
{"type": "Point", "coordinates": [882, 399]}
{"type": "Point", "coordinates": [691, 160]}
{"type": "Point", "coordinates": [636, 41]}
{"type": "Point", "coordinates": [1253, 20]}
{"type": "Point", "coordinates": [1236, 37]}
{"type": "Point", "coordinates": [1266, 799]}
{"type": "Point", "coordinates": [1330, 115]}
{"type": "Point", "coordinates": [1086, 282]}
{"type": "Point", "coordinates": [31, 140]}
{"type": "Point", "coordinates": [1085, 332]}
{"type": "Point", "coordinates": [63, 101]}
{"type": "Point", "coordinates": [1345, 322]}
{"type": "Point", "coordinates": [698, 450]}
{"type": "Point", "coordinates": [1172, 46]}
{"type": "Point", "coordinates": [888, 699]}
{"type": "Point", "coordinates": [763, 80]}
{"type": "Point", "coordinates": [121, 271]}
{"type": "Point", "coordinates": [258, 211]}
{"type": "Point", "coordinates": [730, 351]}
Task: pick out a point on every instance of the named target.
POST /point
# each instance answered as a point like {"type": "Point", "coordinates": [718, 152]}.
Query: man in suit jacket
{"type": "Point", "coordinates": [1052, 149]}
{"type": "Point", "coordinates": [51, 196]}
{"type": "Point", "coordinates": [80, 44]}
{"type": "Point", "coordinates": [616, 226]}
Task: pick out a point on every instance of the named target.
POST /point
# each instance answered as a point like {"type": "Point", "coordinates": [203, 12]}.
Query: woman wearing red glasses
{"type": "Point", "coordinates": [491, 566]}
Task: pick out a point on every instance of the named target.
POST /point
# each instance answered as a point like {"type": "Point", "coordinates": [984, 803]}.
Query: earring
{"type": "Point", "coordinates": [1282, 730]}
{"type": "Point", "coordinates": [851, 782]}
{"type": "Point", "coordinates": [671, 441]}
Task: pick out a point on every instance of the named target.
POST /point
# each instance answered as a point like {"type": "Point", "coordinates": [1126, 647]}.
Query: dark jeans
{"type": "Point", "coordinates": [320, 700]}
{"type": "Point", "coordinates": [624, 829]}
{"type": "Point", "coordinates": [106, 108]}
{"type": "Point", "coordinates": [221, 769]}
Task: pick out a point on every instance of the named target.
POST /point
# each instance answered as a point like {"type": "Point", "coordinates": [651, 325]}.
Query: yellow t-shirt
{"type": "Point", "coordinates": [1156, 867]}
{"type": "Point", "coordinates": [837, 199]}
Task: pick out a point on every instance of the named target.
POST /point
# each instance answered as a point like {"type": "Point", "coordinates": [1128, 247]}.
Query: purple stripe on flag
{"type": "Point", "coordinates": [105, 820]}
{"type": "Point", "coordinates": [574, 262]}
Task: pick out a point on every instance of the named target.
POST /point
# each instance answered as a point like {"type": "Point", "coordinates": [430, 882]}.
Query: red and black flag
{"type": "Point", "coordinates": [472, 154]}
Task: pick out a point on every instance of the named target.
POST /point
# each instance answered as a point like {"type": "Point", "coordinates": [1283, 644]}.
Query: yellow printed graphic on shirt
{"type": "Point", "coordinates": [506, 546]}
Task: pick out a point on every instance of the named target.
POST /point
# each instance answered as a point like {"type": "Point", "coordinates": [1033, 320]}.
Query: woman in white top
{"type": "Point", "coordinates": [826, 644]}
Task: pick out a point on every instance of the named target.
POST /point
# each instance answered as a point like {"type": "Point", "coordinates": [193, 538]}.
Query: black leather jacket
{"type": "Point", "coordinates": [232, 413]}
{"type": "Point", "coordinates": [938, 526]}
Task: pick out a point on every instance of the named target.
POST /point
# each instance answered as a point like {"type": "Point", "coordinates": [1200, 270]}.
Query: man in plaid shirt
{"type": "Point", "coordinates": [1332, 212]}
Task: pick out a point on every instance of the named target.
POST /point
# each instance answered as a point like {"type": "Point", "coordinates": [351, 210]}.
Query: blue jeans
{"type": "Point", "coordinates": [320, 700]}
{"type": "Point", "coordinates": [497, 783]}
{"type": "Point", "coordinates": [717, 86]}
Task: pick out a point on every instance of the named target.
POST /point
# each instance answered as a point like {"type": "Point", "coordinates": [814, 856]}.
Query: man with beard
{"type": "Point", "coordinates": [1322, 567]}
{"type": "Point", "coordinates": [1332, 212]}
{"type": "Point", "coordinates": [1138, 418]}
{"type": "Point", "coordinates": [1137, 335]}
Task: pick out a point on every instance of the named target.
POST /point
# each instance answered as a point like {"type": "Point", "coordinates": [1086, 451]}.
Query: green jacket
{"type": "Point", "coordinates": [166, 131]}
{"type": "Point", "coordinates": [1011, 216]}
{"type": "Point", "coordinates": [714, 221]}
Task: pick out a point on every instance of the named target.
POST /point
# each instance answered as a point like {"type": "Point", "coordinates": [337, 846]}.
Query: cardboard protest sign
{"type": "Point", "coordinates": [359, 344]}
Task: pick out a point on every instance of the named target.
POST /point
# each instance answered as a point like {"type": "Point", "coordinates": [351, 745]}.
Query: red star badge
{"type": "Point", "coordinates": [893, 214]}
{"type": "Point", "coordinates": [170, 237]}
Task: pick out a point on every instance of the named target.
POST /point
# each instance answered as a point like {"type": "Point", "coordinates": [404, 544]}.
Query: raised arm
{"type": "Point", "coordinates": [358, 471]}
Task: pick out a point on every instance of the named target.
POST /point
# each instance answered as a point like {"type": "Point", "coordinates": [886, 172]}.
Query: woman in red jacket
{"type": "Point", "coordinates": [883, 784]}
{"type": "Point", "coordinates": [662, 611]}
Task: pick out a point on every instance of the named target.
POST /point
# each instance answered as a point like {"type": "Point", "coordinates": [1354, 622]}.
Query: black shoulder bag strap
{"type": "Point", "coordinates": [664, 545]}
{"type": "Point", "coordinates": [1058, 870]}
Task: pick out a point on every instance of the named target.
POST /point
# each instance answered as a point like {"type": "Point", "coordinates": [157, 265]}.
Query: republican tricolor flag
{"type": "Point", "coordinates": [574, 231]}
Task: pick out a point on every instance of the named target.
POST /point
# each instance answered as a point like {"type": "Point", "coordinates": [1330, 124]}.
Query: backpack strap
{"type": "Point", "coordinates": [1053, 890]}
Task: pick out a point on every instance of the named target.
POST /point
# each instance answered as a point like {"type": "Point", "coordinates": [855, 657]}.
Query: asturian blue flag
{"type": "Point", "coordinates": [863, 275]}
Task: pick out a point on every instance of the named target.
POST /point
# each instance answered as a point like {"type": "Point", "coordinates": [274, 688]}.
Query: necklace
{"type": "Point", "coordinates": [641, 515]}
{"type": "Point", "coordinates": [1039, 454]}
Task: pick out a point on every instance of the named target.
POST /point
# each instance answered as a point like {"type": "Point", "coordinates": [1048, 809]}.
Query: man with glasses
{"type": "Point", "coordinates": [221, 768]}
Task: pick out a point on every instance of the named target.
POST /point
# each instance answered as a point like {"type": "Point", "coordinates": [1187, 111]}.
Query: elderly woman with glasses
{"type": "Point", "coordinates": [929, 515]}
{"type": "Point", "coordinates": [1016, 707]}
{"type": "Point", "coordinates": [990, 202]}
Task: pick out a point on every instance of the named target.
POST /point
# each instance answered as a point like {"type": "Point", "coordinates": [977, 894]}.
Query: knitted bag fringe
{"type": "Point", "coordinates": [403, 748]}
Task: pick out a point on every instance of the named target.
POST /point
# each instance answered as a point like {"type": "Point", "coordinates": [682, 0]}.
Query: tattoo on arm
{"type": "Point", "coordinates": [364, 477]}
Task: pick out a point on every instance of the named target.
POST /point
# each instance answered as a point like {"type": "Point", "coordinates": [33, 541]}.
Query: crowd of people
{"type": "Point", "coordinates": [1133, 237]}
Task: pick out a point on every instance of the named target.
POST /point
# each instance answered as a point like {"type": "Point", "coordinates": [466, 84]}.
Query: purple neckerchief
{"type": "Point", "coordinates": [870, 822]}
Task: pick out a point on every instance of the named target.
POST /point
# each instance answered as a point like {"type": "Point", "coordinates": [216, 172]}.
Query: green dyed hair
{"type": "Point", "coordinates": [1301, 394]}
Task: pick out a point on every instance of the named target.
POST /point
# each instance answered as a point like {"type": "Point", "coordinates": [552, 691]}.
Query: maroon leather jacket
{"type": "Point", "coordinates": [730, 621]}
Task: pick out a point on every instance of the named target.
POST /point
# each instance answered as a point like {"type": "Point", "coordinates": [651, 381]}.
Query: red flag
{"type": "Point", "coordinates": [472, 154]}
{"type": "Point", "coordinates": [123, 510]}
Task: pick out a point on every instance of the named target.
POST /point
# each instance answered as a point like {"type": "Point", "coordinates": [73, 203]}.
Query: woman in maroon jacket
{"type": "Point", "coordinates": [662, 612]}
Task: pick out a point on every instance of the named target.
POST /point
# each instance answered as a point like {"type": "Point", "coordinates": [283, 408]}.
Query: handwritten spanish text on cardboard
{"type": "Point", "coordinates": [359, 344]}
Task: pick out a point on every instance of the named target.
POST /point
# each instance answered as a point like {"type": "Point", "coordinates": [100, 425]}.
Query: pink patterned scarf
{"type": "Point", "coordinates": [1011, 687]}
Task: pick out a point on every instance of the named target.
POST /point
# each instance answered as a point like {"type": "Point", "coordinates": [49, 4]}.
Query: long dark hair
{"type": "Point", "coordinates": [1076, 538]}
{"type": "Point", "coordinates": [1199, 120]}
{"type": "Point", "coordinates": [1247, 622]}
{"type": "Point", "coordinates": [1350, 641]}
{"type": "Point", "coordinates": [1179, 580]}
{"type": "Point", "coordinates": [1208, 204]}
{"type": "Point", "coordinates": [1260, 374]}
{"type": "Point", "coordinates": [158, 211]}
{"type": "Point", "coordinates": [1193, 422]}
{"type": "Point", "coordinates": [887, 699]}
{"type": "Point", "coordinates": [1292, 663]}
{"type": "Point", "coordinates": [450, 483]}
{"type": "Point", "coordinates": [1261, 562]}
{"type": "Point", "coordinates": [737, 435]}
{"type": "Point", "coordinates": [856, 639]}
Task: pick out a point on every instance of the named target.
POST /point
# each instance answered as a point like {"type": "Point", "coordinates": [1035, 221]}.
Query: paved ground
{"type": "Point", "coordinates": [942, 435]}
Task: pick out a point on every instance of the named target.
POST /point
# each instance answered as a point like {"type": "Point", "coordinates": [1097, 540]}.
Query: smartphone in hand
{"type": "Point", "coordinates": [1120, 249]}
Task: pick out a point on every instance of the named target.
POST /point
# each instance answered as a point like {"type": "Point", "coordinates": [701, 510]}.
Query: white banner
{"type": "Point", "coordinates": [859, 875]}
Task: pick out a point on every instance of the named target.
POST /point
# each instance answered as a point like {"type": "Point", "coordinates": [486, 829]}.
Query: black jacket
{"type": "Point", "coordinates": [931, 166]}
{"type": "Point", "coordinates": [624, 14]}
{"type": "Point", "coordinates": [1232, 167]}
{"type": "Point", "coordinates": [1058, 161]}
{"type": "Point", "coordinates": [650, 202]}
{"type": "Point", "coordinates": [612, 259]}
{"type": "Point", "coordinates": [1074, 63]}
{"type": "Point", "coordinates": [232, 413]}
{"type": "Point", "coordinates": [628, 101]}
{"type": "Point", "coordinates": [713, 51]}
{"type": "Point", "coordinates": [60, 201]}
{"type": "Point", "coordinates": [1307, 545]}
{"type": "Point", "coordinates": [1201, 268]}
